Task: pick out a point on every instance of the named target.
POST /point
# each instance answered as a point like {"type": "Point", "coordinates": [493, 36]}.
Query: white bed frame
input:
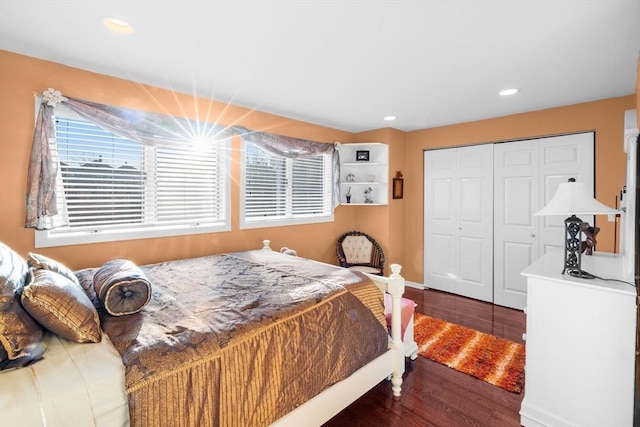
{"type": "Point", "coordinates": [389, 365]}
{"type": "Point", "coordinates": [32, 397]}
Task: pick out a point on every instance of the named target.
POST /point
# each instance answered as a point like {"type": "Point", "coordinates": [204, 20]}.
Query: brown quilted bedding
{"type": "Point", "coordinates": [242, 339]}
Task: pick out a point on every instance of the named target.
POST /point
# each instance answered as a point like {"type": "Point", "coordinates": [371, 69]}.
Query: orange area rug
{"type": "Point", "coordinates": [495, 360]}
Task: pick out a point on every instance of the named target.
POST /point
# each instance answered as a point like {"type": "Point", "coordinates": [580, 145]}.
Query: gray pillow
{"type": "Point", "coordinates": [41, 262]}
{"type": "Point", "coordinates": [121, 287]}
{"type": "Point", "coordinates": [61, 306]}
{"type": "Point", "coordinates": [20, 334]}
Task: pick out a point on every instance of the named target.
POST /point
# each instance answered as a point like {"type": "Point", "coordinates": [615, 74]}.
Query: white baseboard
{"type": "Point", "coordinates": [414, 285]}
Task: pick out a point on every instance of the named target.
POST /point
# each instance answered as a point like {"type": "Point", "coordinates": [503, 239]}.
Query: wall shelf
{"type": "Point", "coordinates": [373, 173]}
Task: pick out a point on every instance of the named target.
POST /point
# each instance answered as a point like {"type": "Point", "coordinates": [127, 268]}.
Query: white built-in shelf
{"type": "Point", "coordinates": [372, 173]}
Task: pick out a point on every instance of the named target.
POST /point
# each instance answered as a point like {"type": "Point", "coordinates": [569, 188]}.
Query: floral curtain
{"type": "Point", "coordinates": [45, 211]}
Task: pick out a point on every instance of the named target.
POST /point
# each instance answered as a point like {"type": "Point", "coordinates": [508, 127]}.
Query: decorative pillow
{"type": "Point", "coordinates": [61, 306]}
{"type": "Point", "coordinates": [20, 335]}
{"type": "Point", "coordinates": [121, 287]}
{"type": "Point", "coordinates": [85, 277]}
{"type": "Point", "coordinates": [41, 262]}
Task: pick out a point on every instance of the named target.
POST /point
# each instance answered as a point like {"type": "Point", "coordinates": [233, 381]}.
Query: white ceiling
{"type": "Point", "coordinates": [347, 64]}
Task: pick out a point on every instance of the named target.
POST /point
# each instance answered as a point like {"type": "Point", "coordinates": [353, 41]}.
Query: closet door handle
{"type": "Point", "coordinates": [533, 235]}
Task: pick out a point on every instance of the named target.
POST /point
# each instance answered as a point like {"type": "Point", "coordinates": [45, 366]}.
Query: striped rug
{"type": "Point", "coordinates": [495, 360]}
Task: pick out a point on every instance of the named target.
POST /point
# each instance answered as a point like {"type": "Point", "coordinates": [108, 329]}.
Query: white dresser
{"type": "Point", "coordinates": [580, 345]}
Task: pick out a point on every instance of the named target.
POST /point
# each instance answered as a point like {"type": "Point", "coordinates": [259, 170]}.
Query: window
{"type": "Point", "coordinates": [282, 191]}
{"type": "Point", "coordinates": [118, 189]}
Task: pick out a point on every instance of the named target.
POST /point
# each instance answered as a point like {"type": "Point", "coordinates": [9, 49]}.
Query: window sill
{"type": "Point", "coordinates": [49, 238]}
{"type": "Point", "coordinates": [244, 224]}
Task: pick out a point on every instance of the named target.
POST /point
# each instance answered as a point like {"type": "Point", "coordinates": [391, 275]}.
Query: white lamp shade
{"type": "Point", "coordinates": [572, 198]}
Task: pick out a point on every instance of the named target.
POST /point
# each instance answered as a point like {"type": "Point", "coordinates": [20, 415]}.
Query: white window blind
{"type": "Point", "coordinates": [113, 184]}
{"type": "Point", "coordinates": [281, 191]}
{"type": "Point", "coordinates": [102, 175]}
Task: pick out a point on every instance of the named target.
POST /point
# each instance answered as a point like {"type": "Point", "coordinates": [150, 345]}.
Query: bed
{"type": "Point", "coordinates": [275, 348]}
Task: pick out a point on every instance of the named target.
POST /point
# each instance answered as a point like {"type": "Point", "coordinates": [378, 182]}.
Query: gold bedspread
{"type": "Point", "coordinates": [242, 339]}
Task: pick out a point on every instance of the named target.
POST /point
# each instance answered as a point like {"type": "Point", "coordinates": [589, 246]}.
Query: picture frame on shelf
{"type": "Point", "coordinates": [398, 188]}
{"type": "Point", "coordinates": [362, 155]}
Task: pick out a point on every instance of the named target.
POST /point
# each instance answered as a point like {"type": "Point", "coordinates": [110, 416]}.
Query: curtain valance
{"type": "Point", "coordinates": [292, 148]}
{"type": "Point", "coordinates": [147, 128]}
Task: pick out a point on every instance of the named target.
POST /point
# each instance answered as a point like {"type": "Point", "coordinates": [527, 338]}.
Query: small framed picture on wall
{"type": "Point", "coordinates": [398, 188]}
{"type": "Point", "coordinates": [362, 156]}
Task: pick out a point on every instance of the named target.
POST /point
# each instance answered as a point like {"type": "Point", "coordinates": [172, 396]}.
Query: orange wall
{"type": "Point", "coordinates": [397, 227]}
{"type": "Point", "coordinates": [605, 117]}
{"type": "Point", "coordinates": [386, 223]}
{"type": "Point", "coordinates": [22, 77]}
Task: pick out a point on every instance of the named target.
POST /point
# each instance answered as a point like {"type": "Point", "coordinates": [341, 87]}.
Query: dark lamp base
{"type": "Point", "coordinates": [581, 274]}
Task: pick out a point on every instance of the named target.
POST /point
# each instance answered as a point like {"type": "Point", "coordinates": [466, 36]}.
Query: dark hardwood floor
{"type": "Point", "coordinates": [435, 395]}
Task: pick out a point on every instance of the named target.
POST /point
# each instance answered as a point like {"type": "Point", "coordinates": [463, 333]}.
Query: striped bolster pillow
{"type": "Point", "coordinates": [121, 287]}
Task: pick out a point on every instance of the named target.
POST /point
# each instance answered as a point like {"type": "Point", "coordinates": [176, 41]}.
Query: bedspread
{"type": "Point", "coordinates": [242, 339]}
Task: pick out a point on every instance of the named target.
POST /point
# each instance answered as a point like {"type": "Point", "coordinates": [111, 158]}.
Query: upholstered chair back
{"type": "Point", "coordinates": [359, 251]}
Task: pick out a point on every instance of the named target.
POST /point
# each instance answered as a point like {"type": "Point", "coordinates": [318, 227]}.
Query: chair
{"type": "Point", "coordinates": [359, 251]}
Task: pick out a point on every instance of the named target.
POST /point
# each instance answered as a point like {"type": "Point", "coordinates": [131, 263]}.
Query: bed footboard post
{"type": "Point", "coordinates": [395, 288]}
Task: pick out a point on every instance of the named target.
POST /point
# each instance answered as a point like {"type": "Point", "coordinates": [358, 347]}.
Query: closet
{"type": "Point", "coordinates": [458, 221]}
{"type": "Point", "coordinates": [479, 229]}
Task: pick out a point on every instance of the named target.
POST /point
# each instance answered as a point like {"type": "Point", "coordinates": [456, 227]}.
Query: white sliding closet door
{"type": "Point", "coordinates": [561, 158]}
{"type": "Point", "coordinates": [459, 221]}
{"type": "Point", "coordinates": [516, 232]}
{"type": "Point", "coordinates": [527, 175]}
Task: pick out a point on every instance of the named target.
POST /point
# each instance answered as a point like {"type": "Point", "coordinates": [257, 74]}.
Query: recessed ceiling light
{"type": "Point", "coordinates": [507, 92]}
{"type": "Point", "coordinates": [118, 25]}
{"type": "Point", "coordinates": [390, 118]}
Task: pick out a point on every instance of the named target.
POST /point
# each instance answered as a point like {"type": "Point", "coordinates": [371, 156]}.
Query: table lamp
{"type": "Point", "coordinates": [573, 199]}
